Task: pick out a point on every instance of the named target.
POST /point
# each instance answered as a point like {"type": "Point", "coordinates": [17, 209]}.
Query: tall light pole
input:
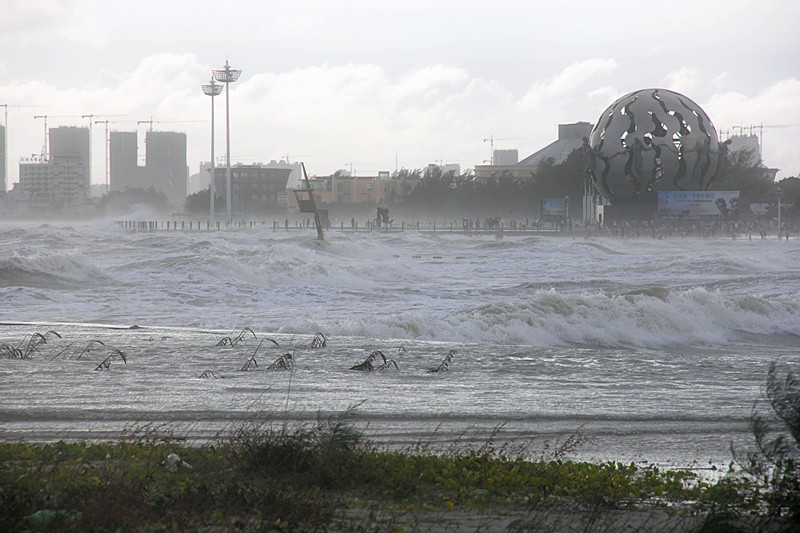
{"type": "Point", "coordinates": [779, 191]}
{"type": "Point", "coordinates": [106, 143]}
{"type": "Point", "coordinates": [90, 117]}
{"type": "Point", "coordinates": [227, 75]}
{"type": "Point", "coordinates": [212, 89]}
{"type": "Point", "coordinates": [5, 149]}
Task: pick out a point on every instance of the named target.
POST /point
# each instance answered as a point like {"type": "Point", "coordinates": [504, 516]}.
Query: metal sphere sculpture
{"type": "Point", "coordinates": [651, 140]}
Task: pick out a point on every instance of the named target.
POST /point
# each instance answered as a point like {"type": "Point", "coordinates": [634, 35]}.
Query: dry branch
{"type": "Point", "coordinates": [443, 366]}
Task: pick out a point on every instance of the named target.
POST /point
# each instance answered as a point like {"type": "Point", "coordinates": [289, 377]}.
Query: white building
{"type": "Point", "coordinates": [58, 181]}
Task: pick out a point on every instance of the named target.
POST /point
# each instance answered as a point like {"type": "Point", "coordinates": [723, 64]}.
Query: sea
{"type": "Point", "coordinates": [562, 344]}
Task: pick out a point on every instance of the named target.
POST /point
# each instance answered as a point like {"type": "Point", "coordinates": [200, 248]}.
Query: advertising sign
{"type": "Point", "coordinates": [552, 208]}
{"type": "Point", "coordinates": [699, 205]}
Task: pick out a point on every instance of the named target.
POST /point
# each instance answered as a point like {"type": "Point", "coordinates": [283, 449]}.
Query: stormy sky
{"type": "Point", "coordinates": [377, 85]}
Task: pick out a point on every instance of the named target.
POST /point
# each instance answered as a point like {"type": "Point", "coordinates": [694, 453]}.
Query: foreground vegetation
{"type": "Point", "coordinates": [326, 478]}
{"type": "Point", "coordinates": [265, 476]}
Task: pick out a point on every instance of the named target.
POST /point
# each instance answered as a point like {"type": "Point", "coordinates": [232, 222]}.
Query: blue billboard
{"type": "Point", "coordinates": [552, 208]}
{"type": "Point", "coordinates": [699, 205]}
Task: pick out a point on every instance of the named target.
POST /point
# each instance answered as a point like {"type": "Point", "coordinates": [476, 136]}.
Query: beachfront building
{"type": "Point", "coordinates": [357, 191]}
{"type": "Point", "coordinates": [254, 188]}
{"type": "Point", "coordinates": [165, 167]}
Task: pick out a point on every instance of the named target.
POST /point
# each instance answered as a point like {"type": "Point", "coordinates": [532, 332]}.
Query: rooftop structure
{"type": "Point", "coordinates": [570, 138]}
{"type": "Point", "coordinates": [506, 166]}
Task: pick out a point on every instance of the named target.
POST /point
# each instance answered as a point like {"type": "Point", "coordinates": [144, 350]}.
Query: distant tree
{"type": "Point", "coordinates": [790, 194]}
{"type": "Point", "coordinates": [405, 173]}
{"type": "Point", "coordinates": [200, 202]}
{"type": "Point", "coordinates": [557, 181]}
{"type": "Point", "coordinates": [743, 171]}
{"type": "Point", "coordinates": [494, 196]}
{"type": "Point", "coordinates": [775, 424]}
{"type": "Point", "coordinates": [121, 201]}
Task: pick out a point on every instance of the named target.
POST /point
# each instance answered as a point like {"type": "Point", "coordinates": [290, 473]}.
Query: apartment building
{"type": "Point", "coordinates": [165, 168]}
{"type": "Point", "coordinates": [58, 181]}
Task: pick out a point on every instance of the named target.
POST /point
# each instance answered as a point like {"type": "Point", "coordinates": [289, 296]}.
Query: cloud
{"type": "Point", "coordinates": [773, 114]}
{"type": "Point", "coordinates": [21, 17]}
{"type": "Point", "coordinates": [360, 113]}
{"type": "Point", "coordinates": [684, 80]}
{"type": "Point", "coordinates": [569, 82]}
{"type": "Point", "coordinates": [44, 22]}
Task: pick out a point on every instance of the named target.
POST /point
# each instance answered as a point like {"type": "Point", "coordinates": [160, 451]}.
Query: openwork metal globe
{"type": "Point", "coordinates": [651, 140]}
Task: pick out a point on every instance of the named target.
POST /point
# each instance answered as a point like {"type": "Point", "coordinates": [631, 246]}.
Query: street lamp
{"type": "Point", "coordinates": [227, 75]}
{"type": "Point", "coordinates": [566, 211]}
{"type": "Point", "coordinates": [213, 89]}
{"type": "Point", "coordinates": [779, 191]}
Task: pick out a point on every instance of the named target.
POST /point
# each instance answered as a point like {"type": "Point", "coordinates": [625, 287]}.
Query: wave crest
{"type": "Point", "coordinates": [48, 270]}
{"type": "Point", "coordinates": [649, 318]}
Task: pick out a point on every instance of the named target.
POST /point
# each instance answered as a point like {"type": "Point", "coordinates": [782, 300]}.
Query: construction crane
{"type": "Point", "coordinates": [5, 140]}
{"type": "Point", "coordinates": [45, 152]}
{"type": "Point", "coordinates": [91, 117]}
{"type": "Point", "coordinates": [760, 128]}
{"type": "Point", "coordinates": [442, 161]}
{"type": "Point", "coordinates": [288, 162]}
{"type": "Point", "coordinates": [108, 145]}
{"type": "Point", "coordinates": [151, 121]}
{"type": "Point", "coordinates": [761, 134]}
{"type": "Point", "coordinates": [491, 141]}
{"type": "Point", "coordinates": [44, 146]}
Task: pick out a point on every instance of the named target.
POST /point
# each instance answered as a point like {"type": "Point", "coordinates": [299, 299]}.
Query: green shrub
{"type": "Point", "coordinates": [775, 424]}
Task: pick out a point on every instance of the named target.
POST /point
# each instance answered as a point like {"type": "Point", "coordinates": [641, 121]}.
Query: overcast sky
{"type": "Point", "coordinates": [376, 85]}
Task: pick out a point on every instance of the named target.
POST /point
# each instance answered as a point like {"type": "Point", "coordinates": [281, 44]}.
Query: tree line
{"type": "Point", "coordinates": [451, 193]}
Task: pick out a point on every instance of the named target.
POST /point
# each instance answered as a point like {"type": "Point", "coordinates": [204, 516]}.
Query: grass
{"type": "Point", "coordinates": [325, 477]}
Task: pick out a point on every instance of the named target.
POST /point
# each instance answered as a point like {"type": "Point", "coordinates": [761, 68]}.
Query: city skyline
{"type": "Point", "coordinates": [378, 86]}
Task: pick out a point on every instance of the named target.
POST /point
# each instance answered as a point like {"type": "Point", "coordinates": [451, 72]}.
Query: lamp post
{"type": "Point", "coordinates": [5, 149]}
{"type": "Point", "coordinates": [779, 191]}
{"type": "Point", "coordinates": [213, 89]}
{"type": "Point", "coordinates": [227, 75]}
{"type": "Point", "coordinates": [566, 211]}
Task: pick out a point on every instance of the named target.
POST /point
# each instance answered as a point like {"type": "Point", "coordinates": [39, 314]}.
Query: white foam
{"type": "Point", "coordinates": [695, 317]}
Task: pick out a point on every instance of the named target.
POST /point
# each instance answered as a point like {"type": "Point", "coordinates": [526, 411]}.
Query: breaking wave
{"type": "Point", "coordinates": [41, 269]}
{"type": "Point", "coordinates": [647, 318]}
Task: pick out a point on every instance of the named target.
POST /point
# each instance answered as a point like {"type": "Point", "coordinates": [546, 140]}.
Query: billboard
{"type": "Point", "coordinates": [552, 208]}
{"type": "Point", "coordinates": [699, 205]}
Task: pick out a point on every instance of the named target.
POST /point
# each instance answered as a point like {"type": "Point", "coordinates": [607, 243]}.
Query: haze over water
{"type": "Point", "coordinates": [656, 349]}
